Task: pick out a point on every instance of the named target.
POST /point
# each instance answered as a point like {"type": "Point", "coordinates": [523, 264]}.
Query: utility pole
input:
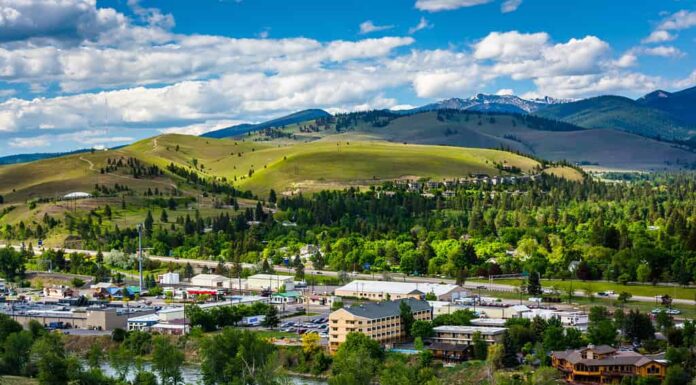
{"type": "Point", "coordinates": [140, 256]}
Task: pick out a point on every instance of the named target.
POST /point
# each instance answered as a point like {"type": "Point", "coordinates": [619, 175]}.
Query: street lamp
{"type": "Point", "coordinates": [140, 255]}
{"type": "Point", "coordinates": [572, 267]}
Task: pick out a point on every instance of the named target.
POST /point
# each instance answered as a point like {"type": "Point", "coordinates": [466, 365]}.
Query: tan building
{"type": "Point", "coordinates": [605, 365]}
{"type": "Point", "coordinates": [389, 290]}
{"type": "Point", "coordinates": [98, 319]}
{"type": "Point", "coordinates": [464, 335]}
{"type": "Point", "coordinates": [260, 282]}
{"type": "Point", "coordinates": [380, 321]}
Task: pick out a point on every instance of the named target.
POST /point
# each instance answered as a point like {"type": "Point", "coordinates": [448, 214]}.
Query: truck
{"type": "Point", "coordinates": [255, 320]}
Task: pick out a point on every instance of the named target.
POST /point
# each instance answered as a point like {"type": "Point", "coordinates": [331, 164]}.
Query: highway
{"type": "Point", "coordinates": [372, 276]}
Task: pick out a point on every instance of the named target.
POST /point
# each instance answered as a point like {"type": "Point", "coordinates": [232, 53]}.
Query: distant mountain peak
{"type": "Point", "coordinates": [493, 103]}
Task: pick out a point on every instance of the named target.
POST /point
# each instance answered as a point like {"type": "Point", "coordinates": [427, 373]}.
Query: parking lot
{"type": "Point", "coordinates": [319, 325]}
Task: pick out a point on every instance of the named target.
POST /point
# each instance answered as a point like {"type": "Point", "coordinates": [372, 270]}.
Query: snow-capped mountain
{"type": "Point", "coordinates": [493, 103]}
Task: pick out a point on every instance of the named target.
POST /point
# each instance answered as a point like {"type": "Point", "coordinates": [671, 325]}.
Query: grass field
{"type": "Point", "coordinates": [687, 293]}
{"type": "Point", "coordinates": [16, 380]}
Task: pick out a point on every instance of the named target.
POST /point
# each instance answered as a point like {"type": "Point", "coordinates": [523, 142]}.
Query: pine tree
{"type": "Point", "coordinates": [164, 218]}
{"type": "Point", "coordinates": [533, 284]}
{"type": "Point", "coordinates": [271, 320]}
{"type": "Point", "coordinates": [149, 221]}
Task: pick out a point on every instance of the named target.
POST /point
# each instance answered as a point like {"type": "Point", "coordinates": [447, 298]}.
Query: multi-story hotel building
{"type": "Point", "coordinates": [380, 321]}
{"type": "Point", "coordinates": [605, 365]}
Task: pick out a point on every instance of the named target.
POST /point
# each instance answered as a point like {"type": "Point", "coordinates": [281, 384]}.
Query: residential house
{"type": "Point", "coordinates": [603, 364]}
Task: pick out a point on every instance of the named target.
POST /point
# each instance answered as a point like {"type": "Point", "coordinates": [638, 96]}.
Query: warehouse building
{"type": "Point", "coordinates": [261, 282]}
{"type": "Point", "coordinates": [386, 290]}
{"type": "Point", "coordinates": [210, 280]}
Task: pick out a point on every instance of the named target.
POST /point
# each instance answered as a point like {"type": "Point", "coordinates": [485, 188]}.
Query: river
{"type": "Point", "coordinates": [192, 375]}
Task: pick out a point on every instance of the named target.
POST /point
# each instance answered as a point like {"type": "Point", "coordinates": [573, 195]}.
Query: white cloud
{"type": "Point", "coordinates": [201, 128]}
{"type": "Point", "coordinates": [626, 60]}
{"type": "Point", "coordinates": [442, 84]}
{"type": "Point", "coordinates": [87, 138]}
{"type": "Point", "coordinates": [578, 86]}
{"type": "Point", "coordinates": [680, 20]}
{"type": "Point", "coordinates": [447, 5]}
{"type": "Point", "coordinates": [152, 16]}
{"type": "Point", "coordinates": [64, 19]}
{"type": "Point", "coordinates": [369, 27]}
{"type": "Point", "coordinates": [511, 45]}
{"type": "Point", "coordinates": [264, 34]}
{"type": "Point", "coordinates": [510, 6]}
{"type": "Point", "coordinates": [422, 24]}
{"type": "Point", "coordinates": [687, 82]}
{"type": "Point", "coordinates": [402, 107]}
{"type": "Point", "coordinates": [33, 142]}
{"type": "Point", "coordinates": [505, 91]}
{"type": "Point", "coordinates": [663, 51]}
{"type": "Point", "coordinates": [659, 36]}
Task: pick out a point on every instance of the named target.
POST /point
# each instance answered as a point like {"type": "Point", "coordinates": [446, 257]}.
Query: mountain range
{"type": "Point", "coordinates": [659, 114]}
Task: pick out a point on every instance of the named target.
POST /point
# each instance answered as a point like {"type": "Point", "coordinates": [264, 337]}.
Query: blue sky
{"type": "Point", "coordinates": [80, 73]}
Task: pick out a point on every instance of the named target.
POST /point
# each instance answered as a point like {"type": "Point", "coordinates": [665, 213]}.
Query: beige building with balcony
{"type": "Point", "coordinates": [464, 335]}
{"type": "Point", "coordinates": [380, 321]}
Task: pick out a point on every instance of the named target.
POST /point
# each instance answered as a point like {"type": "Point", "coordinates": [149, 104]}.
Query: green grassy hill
{"type": "Point", "coordinates": [543, 138]}
{"type": "Point", "coordinates": [622, 114]}
{"type": "Point", "coordinates": [256, 166]}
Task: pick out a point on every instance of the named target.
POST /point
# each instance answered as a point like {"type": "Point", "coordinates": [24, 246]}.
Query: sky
{"type": "Point", "coordinates": [94, 74]}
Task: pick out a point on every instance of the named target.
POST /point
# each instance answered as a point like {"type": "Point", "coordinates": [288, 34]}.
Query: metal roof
{"type": "Point", "coordinates": [469, 329]}
{"type": "Point", "coordinates": [399, 287]}
{"type": "Point", "coordinates": [375, 310]}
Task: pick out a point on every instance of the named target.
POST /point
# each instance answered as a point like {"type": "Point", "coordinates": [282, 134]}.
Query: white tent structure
{"type": "Point", "coordinates": [76, 195]}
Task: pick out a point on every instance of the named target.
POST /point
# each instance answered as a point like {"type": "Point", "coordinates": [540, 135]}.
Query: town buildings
{"type": "Point", "coordinates": [380, 321]}
{"type": "Point", "coordinates": [605, 365]}
{"type": "Point", "coordinates": [390, 290]}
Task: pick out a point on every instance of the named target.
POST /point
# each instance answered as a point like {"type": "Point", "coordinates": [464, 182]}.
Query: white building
{"type": "Point", "coordinates": [381, 290]}
{"type": "Point", "coordinates": [445, 307]}
{"type": "Point", "coordinates": [210, 280]}
{"type": "Point", "coordinates": [142, 322]}
{"type": "Point", "coordinates": [568, 318]}
{"type": "Point", "coordinates": [260, 282]}
{"type": "Point", "coordinates": [169, 278]}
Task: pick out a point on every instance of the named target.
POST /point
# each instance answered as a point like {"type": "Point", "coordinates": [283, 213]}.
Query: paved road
{"type": "Point", "coordinates": [398, 277]}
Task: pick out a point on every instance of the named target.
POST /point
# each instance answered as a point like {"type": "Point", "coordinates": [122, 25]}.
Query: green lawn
{"type": "Point", "coordinates": [275, 334]}
{"type": "Point", "coordinates": [17, 380]}
{"type": "Point", "coordinates": [595, 286]}
{"type": "Point", "coordinates": [688, 311]}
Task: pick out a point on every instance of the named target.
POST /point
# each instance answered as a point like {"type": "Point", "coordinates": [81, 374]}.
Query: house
{"type": "Point", "coordinates": [286, 297]}
{"type": "Point", "coordinates": [449, 352]}
{"type": "Point", "coordinates": [381, 290]}
{"type": "Point", "coordinates": [464, 335]}
{"type": "Point", "coordinates": [261, 282]}
{"type": "Point", "coordinates": [58, 292]}
{"type": "Point", "coordinates": [308, 251]}
{"type": "Point", "coordinates": [168, 278]}
{"type": "Point", "coordinates": [603, 364]}
{"type": "Point", "coordinates": [380, 321]}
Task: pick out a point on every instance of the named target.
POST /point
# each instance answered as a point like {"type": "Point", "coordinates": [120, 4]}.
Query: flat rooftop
{"type": "Point", "coordinates": [469, 329]}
